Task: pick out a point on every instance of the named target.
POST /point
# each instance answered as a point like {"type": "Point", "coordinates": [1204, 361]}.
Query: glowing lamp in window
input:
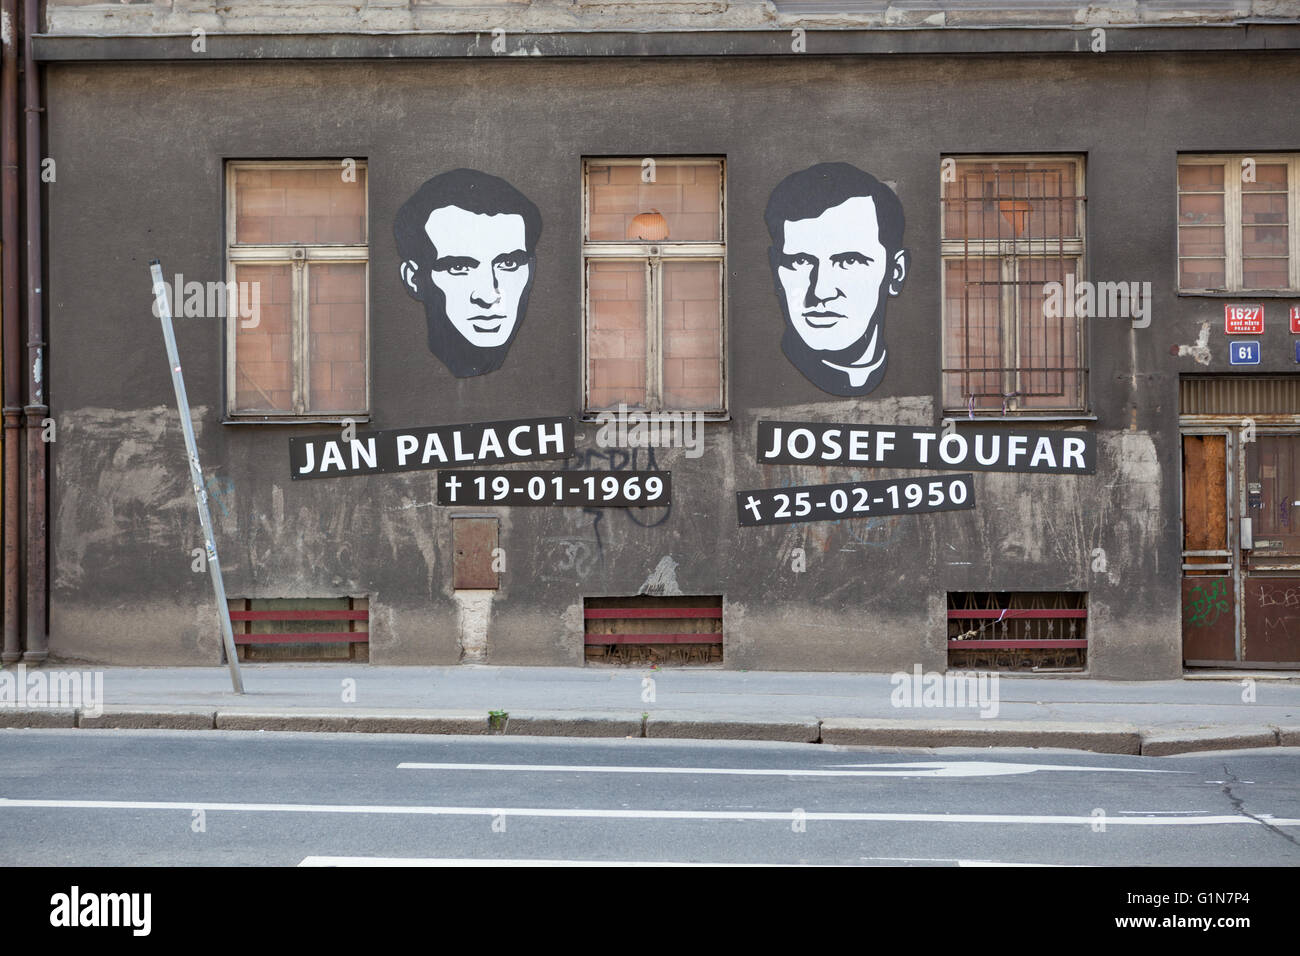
{"type": "Point", "coordinates": [648, 227]}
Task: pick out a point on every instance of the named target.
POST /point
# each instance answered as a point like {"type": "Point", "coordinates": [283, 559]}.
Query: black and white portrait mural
{"type": "Point", "coordinates": [468, 243]}
{"type": "Point", "coordinates": [837, 256]}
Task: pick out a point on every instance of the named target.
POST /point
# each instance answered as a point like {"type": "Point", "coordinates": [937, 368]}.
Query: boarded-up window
{"type": "Point", "coordinates": [1235, 223]}
{"type": "Point", "coordinates": [297, 248]}
{"type": "Point", "coordinates": [1205, 499]}
{"type": "Point", "coordinates": [1208, 590]}
{"type": "Point", "coordinates": [653, 259]}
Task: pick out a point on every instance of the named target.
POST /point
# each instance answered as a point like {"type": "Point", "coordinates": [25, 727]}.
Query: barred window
{"type": "Point", "coordinates": [1010, 226]}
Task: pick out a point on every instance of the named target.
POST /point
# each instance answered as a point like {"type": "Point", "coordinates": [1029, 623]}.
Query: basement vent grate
{"type": "Point", "coordinates": [653, 630]}
{"type": "Point", "coordinates": [1018, 630]}
{"type": "Point", "coordinates": [301, 629]}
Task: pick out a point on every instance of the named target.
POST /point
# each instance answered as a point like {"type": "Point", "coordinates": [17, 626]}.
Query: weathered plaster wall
{"type": "Point", "coordinates": [140, 151]}
{"type": "Point", "coordinates": [541, 16]}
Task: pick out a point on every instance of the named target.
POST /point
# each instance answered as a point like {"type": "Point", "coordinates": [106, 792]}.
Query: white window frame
{"type": "Point", "coordinates": [1232, 225]}
{"type": "Point", "coordinates": [1009, 253]}
{"type": "Point", "coordinates": [654, 254]}
{"type": "Point", "coordinates": [299, 257]}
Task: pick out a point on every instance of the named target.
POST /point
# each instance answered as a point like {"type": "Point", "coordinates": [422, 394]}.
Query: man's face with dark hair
{"type": "Point", "coordinates": [479, 279]}
{"type": "Point", "coordinates": [834, 274]}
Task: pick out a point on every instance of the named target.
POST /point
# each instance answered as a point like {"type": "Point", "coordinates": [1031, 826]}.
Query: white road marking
{"type": "Point", "coordinates": [991, 768]}
{"type": "Point", "coordinates": [912, 859]}
{"type": "Point", "coordinates": [972, 768]}
{"type": "Point", "coordinates": [952, 859]}
{"type": "Point", "coordinates": [600, 813]}
{"type": "Point", "coordinates": [996, 863]}
{"type": "Point", "coordinates": [454, 861]}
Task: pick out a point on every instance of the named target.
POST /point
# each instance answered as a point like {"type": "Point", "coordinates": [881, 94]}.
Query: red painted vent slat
{"type": "Point", "coordinates": [1007, 614]}
{"type": "Point", "coordinates": [653, 639]}
{"type": "Point", "coordinates": [617, 613]}
{"type": "Point", "coordinates": [1018, 645]}
{"type": "Point", "coordinates": [685, 628]}
{"type": "Point", "coordinates": [243, 621]}
{"type": "Point", "coordinates": [306, 637]}
{"type": "Point", "coordinates": [300, 615]}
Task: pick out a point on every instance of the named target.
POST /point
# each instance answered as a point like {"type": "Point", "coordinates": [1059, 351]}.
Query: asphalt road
{"type": "Point", "coordinates": [95, 798]}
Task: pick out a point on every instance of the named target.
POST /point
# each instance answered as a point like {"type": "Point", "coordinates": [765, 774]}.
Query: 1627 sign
{"type": "Point", "coordinates": [1243, 319]}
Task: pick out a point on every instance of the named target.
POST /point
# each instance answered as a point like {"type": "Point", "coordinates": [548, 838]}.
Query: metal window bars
{"type": "Point", "coordinates": [1009, 229]}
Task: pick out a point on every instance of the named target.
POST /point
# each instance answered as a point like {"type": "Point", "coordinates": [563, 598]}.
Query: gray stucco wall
{"type": "Point", "coordinates": [140, 151]}
{"type": "Point", "coordinates": [91, 17]}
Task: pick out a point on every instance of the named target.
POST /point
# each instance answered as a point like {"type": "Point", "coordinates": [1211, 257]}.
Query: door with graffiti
{"type": "Point", "coordinates": [1270, 503]}
{"type": "Point", "coordinates": [1241, 546]}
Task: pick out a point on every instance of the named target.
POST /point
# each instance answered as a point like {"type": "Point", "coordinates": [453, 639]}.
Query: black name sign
{"type": "Point", "coordinates": [855, 499]}
{"type": "Point", "coordinates": [413, 449]}
{"type": "Point", "coordinates": [580, 489]}
{"type": "Point", "coordinates": [902, 446]}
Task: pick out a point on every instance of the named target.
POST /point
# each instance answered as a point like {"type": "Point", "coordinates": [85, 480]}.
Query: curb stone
{"type": "Point", "coordinates": [796, 731]}
{"type": "Point", "coordinates": [38, 717]}
{"type": "Point", "coordinates": [1288, 735]}
{"type": "Point", "coordinates": [362, 723]}
{"type": "Point", "coordinates": [1093, 737]}
{"type": "Point", "coordinates": [1109, 739]}
{"type": "Point", "coordinates": [1167, 743]}
{"type": "Point", "coordinates": [121, 718]}
{"type": "Point", "coordinates": [544, 724]}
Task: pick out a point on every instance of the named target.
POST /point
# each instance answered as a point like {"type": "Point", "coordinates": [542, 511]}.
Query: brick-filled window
{"type": "Point", "coordinates": [653, 257]}
{"type": "Point", "coordinates": [298, 231]}
{"type": "Point", "coordinates": [1011, 225]}
{"type": "Point", "coordinates": [1236, 223]}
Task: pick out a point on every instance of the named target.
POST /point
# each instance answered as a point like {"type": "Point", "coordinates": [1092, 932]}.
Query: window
{"type": "Point", "coordinates": [1010, 226]}
{"type": "Point", "coordinates": [296, 244]}
{"type": "Point", "coordinates": [1234, 223]}
{"type": "Point", "coordinates": [653, 258]}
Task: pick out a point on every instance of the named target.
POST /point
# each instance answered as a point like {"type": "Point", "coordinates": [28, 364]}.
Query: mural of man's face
{"type": "Point", "coordinates": [482, 270]}
{"type": "Point", "coordinates": [837, 257]}
{"type": "Point", "coordinates": [467, 242]}
{"type": "Point", "coordinates": [833, 271]}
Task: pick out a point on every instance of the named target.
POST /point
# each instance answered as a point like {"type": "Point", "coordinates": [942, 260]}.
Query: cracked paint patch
{"type": "Point", "coordinates": [1200, 352]}
{"type": "Point", "coordinates": [663, 579]}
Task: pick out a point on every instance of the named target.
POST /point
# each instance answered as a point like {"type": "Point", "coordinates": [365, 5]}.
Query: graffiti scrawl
{"type": "Point", "coordinates": [468, 244]}
{"type": "Point", "coordinates": [837, 256]}
{"type": "Point", "coordinates": [1205, 607]}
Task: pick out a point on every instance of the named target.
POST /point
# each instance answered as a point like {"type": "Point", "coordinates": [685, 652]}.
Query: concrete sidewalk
{"type": "Point", "coordinates": [1149, 717]}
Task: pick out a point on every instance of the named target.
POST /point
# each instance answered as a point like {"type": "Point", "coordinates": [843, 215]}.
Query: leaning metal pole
{"type": "Point", "coordinates": [196, 473]}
